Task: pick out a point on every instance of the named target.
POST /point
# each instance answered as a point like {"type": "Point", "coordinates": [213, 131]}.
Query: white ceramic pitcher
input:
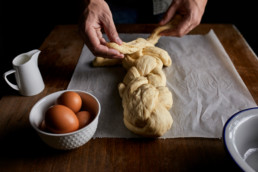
{"type": "Point", "coordinates": [27, 74]}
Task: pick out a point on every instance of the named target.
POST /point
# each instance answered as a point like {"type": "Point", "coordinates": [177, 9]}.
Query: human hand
{"type": "Point", "coordinates": [191, 12]}
{"type": "Point", "coordinates": [96, 16]}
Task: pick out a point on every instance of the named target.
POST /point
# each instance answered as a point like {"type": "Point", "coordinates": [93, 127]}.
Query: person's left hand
{"type": "Point", "coordinates": [191, 12]}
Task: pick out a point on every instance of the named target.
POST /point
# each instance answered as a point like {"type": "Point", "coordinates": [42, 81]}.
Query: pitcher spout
{"type": "Point", "coordinates": [35, 55]}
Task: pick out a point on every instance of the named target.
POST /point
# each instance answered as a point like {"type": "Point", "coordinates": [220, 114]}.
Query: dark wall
{"type": "Point", "coordinates": [25, 24]}
{"type": "Point", "coordinates": [243, 14]}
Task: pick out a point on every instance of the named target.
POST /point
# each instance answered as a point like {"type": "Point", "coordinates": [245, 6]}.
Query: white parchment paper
{"type": "Point", "coordinates": [206, 87]}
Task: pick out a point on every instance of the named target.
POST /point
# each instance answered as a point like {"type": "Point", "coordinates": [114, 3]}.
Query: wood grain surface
{"type": "Point", "coordinates": [22, 149]}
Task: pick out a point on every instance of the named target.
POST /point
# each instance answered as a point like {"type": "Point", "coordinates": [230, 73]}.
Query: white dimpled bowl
{"type": "Point", "coordinates": [70, 140]}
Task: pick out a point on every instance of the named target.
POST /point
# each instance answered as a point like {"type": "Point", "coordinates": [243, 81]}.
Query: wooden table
{"type": "Point", "coordinates": [22, 149]}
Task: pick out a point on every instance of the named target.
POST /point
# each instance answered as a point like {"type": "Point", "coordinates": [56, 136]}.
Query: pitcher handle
{"type": "Point", "coordinates": [8, 82]}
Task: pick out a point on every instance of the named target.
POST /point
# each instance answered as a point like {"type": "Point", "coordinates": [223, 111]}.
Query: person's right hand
{"type": "Point", "coordinates": [97, 15]}
{"type": "Point", "coordinates": [191, 12]}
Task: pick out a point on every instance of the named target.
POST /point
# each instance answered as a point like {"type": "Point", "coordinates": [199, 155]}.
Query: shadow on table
{"type": "Point", "coordinates": [23, 144]}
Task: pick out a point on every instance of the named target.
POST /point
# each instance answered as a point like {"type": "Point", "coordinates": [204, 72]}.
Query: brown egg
{"type": "Point", "coordinates": [84, 118]}
{"type": "Point", "coordinates": [70, 99]}
{"type": "Point", "coordinates": [89, 104]}
{"type": "Point", "coordinates": [42, 126]}
{"type": "Point", "coordinates": [61, 119]}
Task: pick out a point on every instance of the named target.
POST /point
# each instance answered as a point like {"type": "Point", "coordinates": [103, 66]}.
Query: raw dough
{"type": "Point", "coordinates": [145, 98]}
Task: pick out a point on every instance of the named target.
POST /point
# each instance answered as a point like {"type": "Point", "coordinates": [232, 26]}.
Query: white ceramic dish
{"type": "Point", "coordinates": [68, 140]}
{"type": "Point", "coordinates": [240, 136]}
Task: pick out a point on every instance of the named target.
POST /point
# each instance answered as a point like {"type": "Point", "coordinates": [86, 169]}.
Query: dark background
{"type": "Point", "coordinates": [25, 24]}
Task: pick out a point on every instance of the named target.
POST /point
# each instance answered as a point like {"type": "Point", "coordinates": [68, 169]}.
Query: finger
{"type": "Point", "coordinates": [189, 29]}
{"type": "Point", "coordinates": [169, 14]}
{"type": "Point", "coordinates": [106, 52]}
{"type": "Point", "coordinates": [190, 23]}
{"type": "Point", "coordinates": [100, 36]}
{"type": "Point", "coordinates": [180, 29]}
{"type": "Point", "coordinates": [110, 30]}
{"type": "Point", "coordinates": [103, 41]}
{"type": "Point", "coordinates": [98, 49]}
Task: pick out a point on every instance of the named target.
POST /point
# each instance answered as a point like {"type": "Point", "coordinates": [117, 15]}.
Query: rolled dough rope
{"type": "Point", "coordinates": [145, 98]}
{"type": "Point", "coordinates": [154, 37]}
{"type": "Point", "coordinates": [130, 47]}
{"type": "Point", "coordinates": [101, 61]}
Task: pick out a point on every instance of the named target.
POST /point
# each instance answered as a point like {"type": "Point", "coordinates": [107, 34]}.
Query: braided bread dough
{"type": "Point", "coordinates": [145, 98]}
